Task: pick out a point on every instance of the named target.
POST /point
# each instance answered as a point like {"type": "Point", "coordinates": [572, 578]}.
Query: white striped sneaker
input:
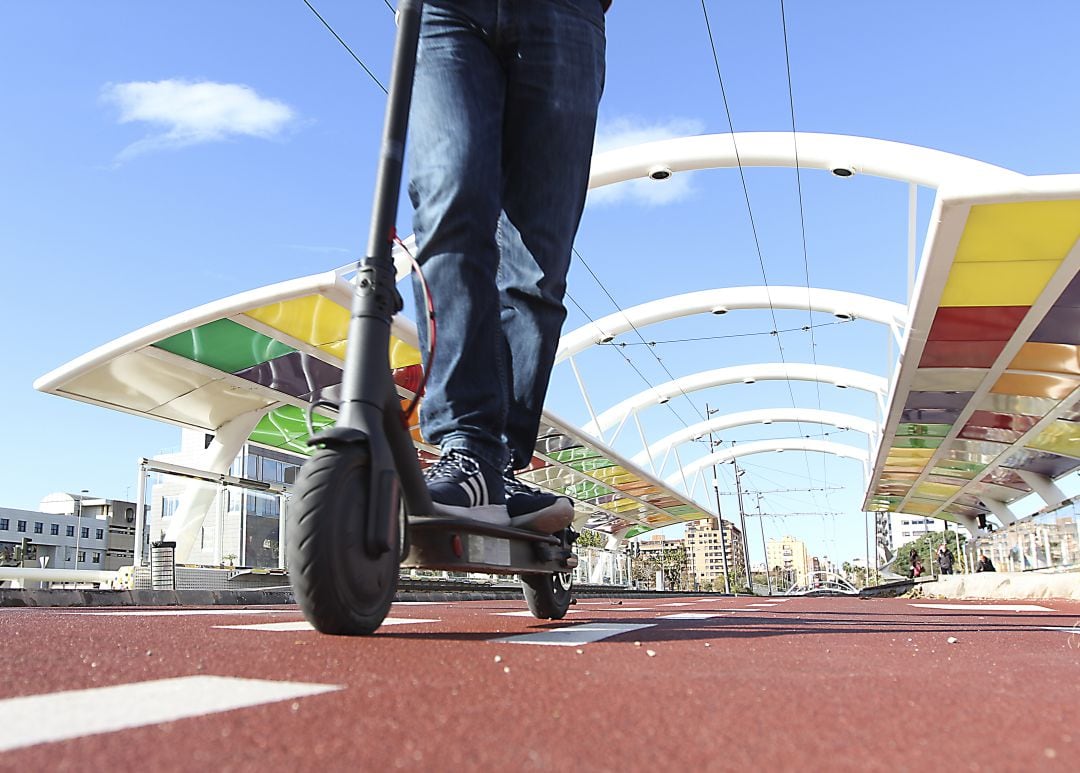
{"type": "Point", "coordinates": [466, 487]}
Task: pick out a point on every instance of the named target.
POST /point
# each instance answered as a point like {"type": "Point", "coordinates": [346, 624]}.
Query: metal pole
{"type": "Point", "coordinates": [720, 525]}
{"type": "Point", "coordinates": [761, 525]}
{"type": "Point", "coordinates": [866, 544]}
{"type": "Point", "coordinates": [78, 529]}
{"type": "Point", "coordinates": [719, 511]}
{"type": "Point", "coordinates": [742, 523]}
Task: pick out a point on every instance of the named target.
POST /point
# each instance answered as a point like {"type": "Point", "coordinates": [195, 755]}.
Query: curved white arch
{"type": "Point", "coordinates": [772, 371]}
{"type": "Point", "coordinates": [833, 302]}
{"type": "Point", "coordinates": [861, 155]}
{"type": "Point", "coordinates": [758, 416]}
{"type": "Point", "coordinates": [764, 447]}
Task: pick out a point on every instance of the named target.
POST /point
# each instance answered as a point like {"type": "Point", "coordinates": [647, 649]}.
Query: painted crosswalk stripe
{"type": "Point", "coordinates": [575, 635]}
{"type": "Point", "coordinates": [688, 616]}
{"type": "Point", "coordinates": [989, 607]}
{"type": "Point", "coordinates": [304, 625]}
{"type": "Point", "coordinates": [60, 716]}
{"type": "Point", "coordinates": [1075, 629]}
{"type": "Point", "coordinates": [679, 604]}
{"type": "Point", "coordinates": [772, 604]}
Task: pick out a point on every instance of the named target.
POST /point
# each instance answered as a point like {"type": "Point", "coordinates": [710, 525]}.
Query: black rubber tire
{"type": "Point", "coordinates": [339, 587]}
{"type": "Point", "coordinates": [548, 595]}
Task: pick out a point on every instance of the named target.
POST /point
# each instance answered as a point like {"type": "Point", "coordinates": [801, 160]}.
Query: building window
{"type": "Point", "coordinates": [71, 531]}
{"type": "Point", "coordinates": [22, 526]}
{"type": "Point", "coordinates": [4, 524]}
{"type": "Point", "coordinates": [96, 558]}
{"type": "Point", "coordinates": [84, 532]}
{"type": "Point", "coordinates": [39, 527]}
{"type": "Point", "coordinates": [54, 529]}
{"type": "Point", "coordinates": [169, 506]}
{"type": "Point", "coordinates": [82, 557]}
{"type": "Point", "coordinates": [100, 533]}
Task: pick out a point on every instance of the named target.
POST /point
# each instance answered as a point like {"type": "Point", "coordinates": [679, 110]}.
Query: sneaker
{"type": "Point", "coordinates": [533, 509]}
{"type": "Point", "coordinates": [466, 487]}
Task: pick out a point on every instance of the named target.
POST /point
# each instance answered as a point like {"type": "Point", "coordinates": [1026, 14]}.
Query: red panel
{"type": "Point", "coordinates": [976, 323]}
{"type": "Point", "coordinates": [960, 354]}
{"type": "Point", "coordinates": [990, 433]}
{"type": "Point", "coordinates": [1017, 422]}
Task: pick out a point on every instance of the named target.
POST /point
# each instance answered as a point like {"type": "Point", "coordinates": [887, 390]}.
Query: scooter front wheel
{"type": "Point", "coordinates": [548, 595]}
{"type": "Point", "coordinates": [339, 585]}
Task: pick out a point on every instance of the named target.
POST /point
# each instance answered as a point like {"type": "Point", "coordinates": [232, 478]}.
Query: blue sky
{"type": "Point", "coordinates": [157, 156]}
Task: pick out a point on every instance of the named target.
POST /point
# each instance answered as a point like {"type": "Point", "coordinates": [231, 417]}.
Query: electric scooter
{"type": "Point", "coordinates": [360, 508]}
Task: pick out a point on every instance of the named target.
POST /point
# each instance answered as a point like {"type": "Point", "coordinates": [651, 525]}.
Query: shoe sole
{"type": "Point", "coordinates": [548, 520]}
{"type": "Point", "coordinates": [493, 514]}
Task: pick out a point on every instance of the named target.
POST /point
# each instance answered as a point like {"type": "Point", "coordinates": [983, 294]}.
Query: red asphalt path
{"type": "Point", "coordinates": [732, 684]}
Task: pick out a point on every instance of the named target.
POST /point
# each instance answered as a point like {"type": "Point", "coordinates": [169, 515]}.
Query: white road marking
{"type": "Point", "coordinates": [179, 612]}
{"type": "Point", "coordinates": [60, 716]}
{"type": "Point", "coordinates": [304, 625]}
{"type": "Point", "coordinates": [625, 609]}
{"type": "Point", "coordinates": [688, 616]}
{"type": "Point", "coordinates": [575, 635]}
{"type": "Point", "coordinates": [990, 607]}
{"type": "Point", "coordinates": [773, 604]}
{"type": "Point", "coordinates": [679, 604]}
{"type": "Point", "coordinates": [1075, 629]}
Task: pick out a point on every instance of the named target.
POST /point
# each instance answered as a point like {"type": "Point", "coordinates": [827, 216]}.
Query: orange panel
{"type": "Point", "coordinates": [1052, 358]}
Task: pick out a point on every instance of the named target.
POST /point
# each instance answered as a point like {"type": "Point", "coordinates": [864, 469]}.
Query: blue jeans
{"type": "Point", "coordinates": [501, 135]}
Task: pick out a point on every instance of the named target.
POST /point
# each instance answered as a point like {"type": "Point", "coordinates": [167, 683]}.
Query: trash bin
{"type": "Point", "coordinates": [163, 565]}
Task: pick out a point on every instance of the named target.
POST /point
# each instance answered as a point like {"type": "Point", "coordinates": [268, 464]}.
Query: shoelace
{"type": "Point", "coordinates": [514, 486]}
{"type": "Point", "coordinates": [450, 463]}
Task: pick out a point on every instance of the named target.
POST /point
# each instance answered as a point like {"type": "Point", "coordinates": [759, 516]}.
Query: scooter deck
{"type": "Point", "coordinates": [463, 545]}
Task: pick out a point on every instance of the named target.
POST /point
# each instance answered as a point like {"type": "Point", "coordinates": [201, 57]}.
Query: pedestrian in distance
{"type": "Point", "coordinates": [985, 564]}
{"type": "Point", "coordinates": [945, 559]}
{"type": "Point", "coordinates": [502, 122]}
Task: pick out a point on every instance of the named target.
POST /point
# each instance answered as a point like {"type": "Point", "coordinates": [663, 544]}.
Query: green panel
{"type": "Point", "coordinates": [587, 490]}
{"type": "Point", "coordinates": [917, 442]}
{"type": "Point", "coordinates": [923, 430]}
{"type": "Point", "coordinates": [951, 472]}
{"type": "Point", "coordinates": [588, 465]}
{"type": "Point", "coordinates": [953, 464]}
{"type": "Point", "coordinates": [285, 427]}
{"type": "Point", "coordinates": [574, 454]}
{"type": "Point", "coordinates": [224, 345]}
{"type": "Point", "coordinates": [680, 510]}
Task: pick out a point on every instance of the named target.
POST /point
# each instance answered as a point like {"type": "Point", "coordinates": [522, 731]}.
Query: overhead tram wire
{"type": "Point", "coordinates": [749, 208]}
{"type": "Point", "coordinates": [346, 45]}
{"type": "Point", "coordinates": [802, 218]}
{"type": "Point", "coordinates": [698, 339]}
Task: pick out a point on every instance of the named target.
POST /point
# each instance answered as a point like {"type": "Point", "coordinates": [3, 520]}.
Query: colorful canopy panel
{"type": "Point", "coordinates": [270, 353]}
{"type": "Point", "coordinates": [988, 392]}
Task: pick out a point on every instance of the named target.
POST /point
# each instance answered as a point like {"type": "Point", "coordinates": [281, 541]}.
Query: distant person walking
{"type": "Point", "coordinates": [945, 559]}
{"type": "Point", "coordinates": [985, 564]}
{"type": "Point", "coordinates": [916, 563]}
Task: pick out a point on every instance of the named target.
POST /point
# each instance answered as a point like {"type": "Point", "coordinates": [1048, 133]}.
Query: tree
{"type": "Point", "coordinates": [591, 539]}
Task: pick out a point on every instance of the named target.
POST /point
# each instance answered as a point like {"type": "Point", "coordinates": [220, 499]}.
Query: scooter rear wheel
{"type": "Point", "coordinates": [548, 595]}
{"type": "Point", "coordinates": [341, 588]}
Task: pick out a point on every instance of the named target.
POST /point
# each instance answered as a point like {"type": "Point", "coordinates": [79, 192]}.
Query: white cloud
{"type": "Point", "coordinates": [627, 131]}
{"type": "Point", "coordinates": [190, 113]}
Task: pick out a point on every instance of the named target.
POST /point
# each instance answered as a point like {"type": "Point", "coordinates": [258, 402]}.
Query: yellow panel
{"type": "Point", "coordinates": [1008, 283]}
{"type": "Point", "coordinates": [920, 508]}
{"type": "Point", "coordinates": [1053, 387]}
{"type": "Point", "coordinates": [320, 322]}
{"type": "Point", "coordinates": [1060, 437]}
{"type": "Point", "coordinates": [313, 319]}
{"type": "Point", "coordinates": [935, 490]}
{"type": "Point", "coordinates": [1052, 358]}
{"type": "Point", "coordinates": [1026, 230]}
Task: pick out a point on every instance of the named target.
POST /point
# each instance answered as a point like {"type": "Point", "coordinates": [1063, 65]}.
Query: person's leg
{"type": "Point", "coordinates": [455, 129]}
{"type": "Point", "coordinates": [553, 52]}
